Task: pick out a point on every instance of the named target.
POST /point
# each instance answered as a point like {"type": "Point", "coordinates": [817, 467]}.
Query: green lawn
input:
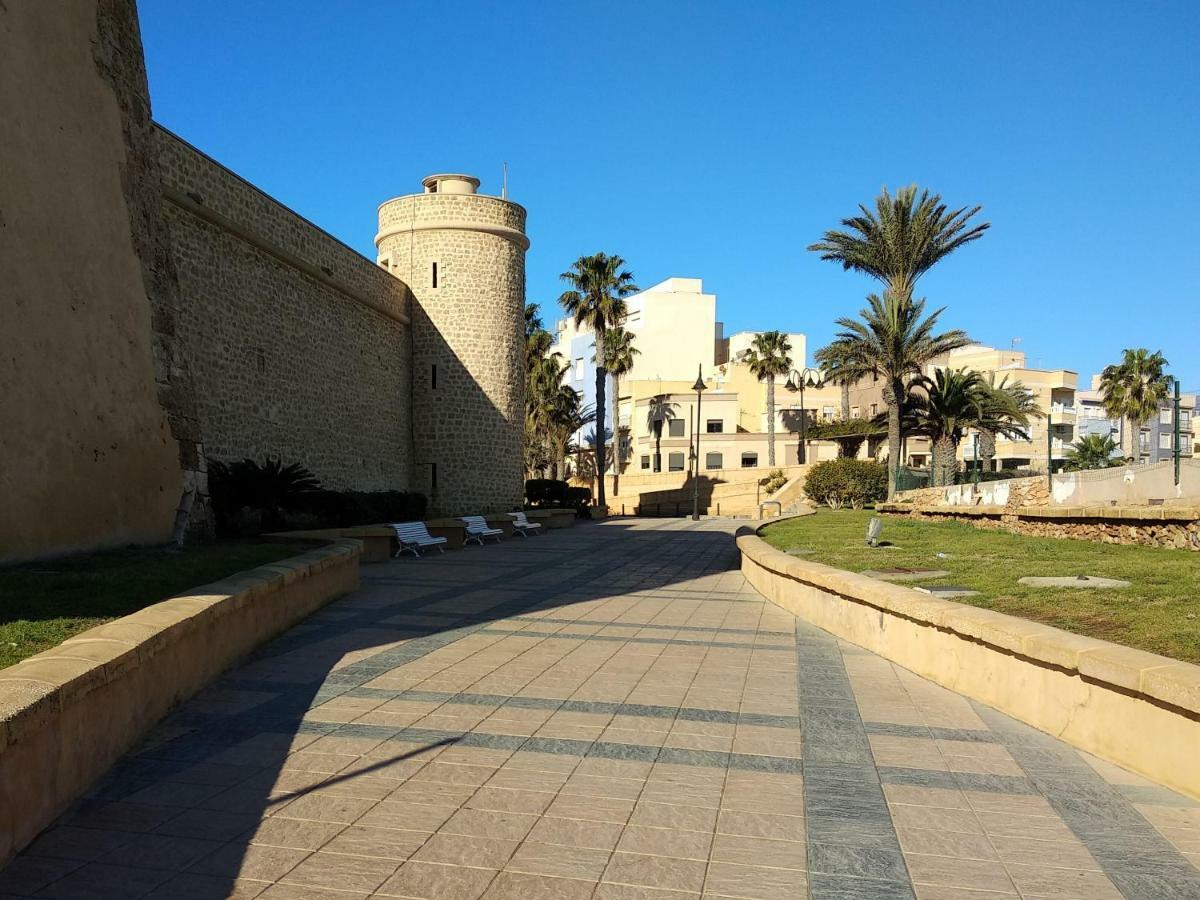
{"type": "Point", "coordinates": [44, 603]}
{"type": "Point", "coordinates": [1159, 612]}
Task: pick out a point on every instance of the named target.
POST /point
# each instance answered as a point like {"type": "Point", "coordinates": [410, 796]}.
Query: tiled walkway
{"type": "Point", "coordinates": [611, 713]}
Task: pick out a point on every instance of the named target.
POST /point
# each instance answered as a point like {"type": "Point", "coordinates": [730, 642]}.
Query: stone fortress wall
{"type": "Point", "coordinates": [468, 339]}
{"type": "Point", "coordinates": [299, 347]}
{"type": "Point", "coordinates": [158, 310]}
{"type": "Point", "coordinates": [97, 435]}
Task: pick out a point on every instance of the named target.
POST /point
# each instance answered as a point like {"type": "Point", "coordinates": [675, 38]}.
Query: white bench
{"type": "Point", "coordinates": [522, 525]}
{"type": "Point", "coordinates": [415, 537]}
{"type": "Point", "coordinates": [478, 529]}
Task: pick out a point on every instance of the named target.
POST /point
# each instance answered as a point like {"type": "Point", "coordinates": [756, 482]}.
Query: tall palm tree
{"type": "Point", "coordinates": [893, 338]}
{"type": "Point", "coordinates": [767, 358]}
{"type": "Point", "coordinates": [618, 360]}
{"type": "Point", "coordinates": [1014, 398]}
{"type": "Point", "coordinates": [901, 239]}
{"type": "Point", "coordinates": [1133, 389]}
{"type": "Point", "coordinates": [538, 340]}
{"type": "Point", "coordinates": [599, 285]}
{"type": "Point", "coordinates": [660, 410]}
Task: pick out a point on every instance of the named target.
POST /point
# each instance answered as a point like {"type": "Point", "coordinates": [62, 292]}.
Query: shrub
{"type": "Point", "coordinates": [269, 491]}
{"type": "Point", "coordinates": [248, 499]}
{"type": "Point", "coordinates": [579, 499]}
{"type": "Point", "coordinates": [546, 492]}
{"type": "Point", "coordinates": [774, 481]}
{"type": "Point", "coordinates": [846, 482]}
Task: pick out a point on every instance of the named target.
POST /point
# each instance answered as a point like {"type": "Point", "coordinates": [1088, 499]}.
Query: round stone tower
{"type": "Point", "coordinates": [462, 254]}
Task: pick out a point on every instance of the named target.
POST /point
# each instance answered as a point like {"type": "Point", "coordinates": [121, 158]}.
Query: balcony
{"type": "Point", "coordinates": [1062, 414]}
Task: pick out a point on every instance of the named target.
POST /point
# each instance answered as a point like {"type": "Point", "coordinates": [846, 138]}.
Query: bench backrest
{"type": "Point", "coordinates": [475, 522]}
{"type": "Point", "coordinates": [412, 531]}
{"type": "Point", "coordinates": [520, 518]}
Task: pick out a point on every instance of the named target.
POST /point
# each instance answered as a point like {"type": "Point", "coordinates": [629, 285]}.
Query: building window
{"type": "Point", "coordinates": [749, 460]}
{"type": "Point", "coordinates": [715, 426]}
{"type": "Point", "coordinates": [713, 461]}
{"type": "Point", "coordinates": [433, 378]}
{"type": "Point", "coordinates": [579, 369]}
{"type": "Point", "coordinates": [385, 262]}
{"type": "Point", "coordinates": [675, 462]}
{"type": "Point", "coordinates": [1164, 442]}
{"type": "Point", "coordinates": [433, 476]}
{"type": "Point", "coordinates": [1164, 416]}
{"type": "Point", "coordinates": [1185, 419]}
{"type": "Point", "coordinates": [435, 274]}
{"type": "Point", "coordinates": [646, 461]}
{"type": "Point", "coordinates": [675, 428]}
{"type": "Point", "coordinates": [874, 410]}
{"type": "Point", "coordinates": [827, 413]}
{"type": "Point", "coordinates": [855, 412]}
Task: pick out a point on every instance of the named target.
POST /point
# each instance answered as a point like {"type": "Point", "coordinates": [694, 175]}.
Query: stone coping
{"type": "Point", "coordinates": [1159, 686]}
{"type": "Point", "coordinates": [1123, 513]}
{"type": "Point", "coordinates": [68, 713]}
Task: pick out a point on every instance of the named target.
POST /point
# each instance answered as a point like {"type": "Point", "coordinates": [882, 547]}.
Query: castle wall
{"type": "Point", "coordinates": [300, 348]}
{"type": "Point", "coordinates": [94, 403]}
{"type": "Point", "coordinates": [470, 327]}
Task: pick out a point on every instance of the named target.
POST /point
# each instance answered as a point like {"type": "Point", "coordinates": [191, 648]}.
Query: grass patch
{"type": "Point", "coordinates": [44, 603]}
{"type": "Point", "coordinates": [1159, 612]}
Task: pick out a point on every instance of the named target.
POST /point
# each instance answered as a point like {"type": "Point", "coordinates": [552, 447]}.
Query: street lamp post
{"type": "Point", "coordinates": [797, 381]}
{"type": "Point", "coordinates": [699, 388]}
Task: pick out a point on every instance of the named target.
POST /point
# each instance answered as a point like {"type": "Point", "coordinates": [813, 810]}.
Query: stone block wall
{"type": "Point", "coordinates": [299, 347]}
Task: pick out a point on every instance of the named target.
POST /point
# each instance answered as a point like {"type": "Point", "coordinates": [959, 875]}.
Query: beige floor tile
{"type": "Point", "coordinates": [576, 833]}
{"type": "Point", "coordinates": [559, 860]}
{"type": "Point", "coordinates": [945, 842]}
{"type": "Point", "coordinates": [337, 871]}
{"type": "Point", "coordinates": [524, 886]}
{"type": "Point", "coordinates": [655, 871]}
{"type": "Point", "coordinates": [464, 850]}
{"type": "Point", "coordinates": [381, 843]}
{"type": "Point", "coordinates": [936, 818]}
{"type": "Point", "coordinates": [296, 834]}
{"type": "Point", "coordinates": [670, 815]}
{"type": "Point", "coordinates": [768, 825]}
{"type": "Point", "coordinates": [946, 871]}
{"type": "Point", "coordinates": [1042, 881]}
{"type": "Point", "coordinates": [671, 842]}
{"type": "Point", "coordinates": [759, 882]}
{"type": "Point", "coordinates": [756, 851]}
{"type": "Point", "coordinates": [407, 816]}
{"type": "Point", "coordinates": [431, 881]}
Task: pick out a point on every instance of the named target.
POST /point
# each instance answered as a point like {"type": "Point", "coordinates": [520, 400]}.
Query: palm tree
{"type": "Point", "coordinates": [618, 360]}
{"type": "Point", "coordinates": [599, 285]}
{"type": "Point", "coordinates": [1092, 451]}
{"type": "Point", "coordinates": [537, 339]}
{"type": "Point", "coordinates": [768, 359]}
{"type": "Point", "coordinates": [1017, 399]}
{"type": "Point", "coordinates": [894, 339]}
{"type": "Point", "coordinates": [660, 410]}
{"type": "Point", "coordinates": [902, 239]}
{"type": "Point", "coordinates": [1133, 390]}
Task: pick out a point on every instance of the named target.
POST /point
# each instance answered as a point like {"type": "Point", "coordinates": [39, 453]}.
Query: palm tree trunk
{"type": "Point", "coordinates": [894, 435]}
{"type": "Point", "coordinates": [601, 378]}
{"type": "Point", "coordinates": [845, 400]}
{"type": "Point", "coordinates": [987, 449]}
{"type": "Point", "coordinates": [942, 464]}
{"type": "Point", "coordinates": [770, 421]}
{"type": "Point", "coordinates": [616, 430]}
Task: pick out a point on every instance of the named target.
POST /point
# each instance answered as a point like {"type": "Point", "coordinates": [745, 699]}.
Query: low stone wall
{"type": "Point", "coordinates": [68, 714]}
{"type": "Point", "coordinates": [1136, 709]}
{"type": "Point", "coordinates": [1176, 527]}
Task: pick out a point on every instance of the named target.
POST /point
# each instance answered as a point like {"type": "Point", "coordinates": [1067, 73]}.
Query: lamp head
{"type": "Point", "coordinates": [699, 385]}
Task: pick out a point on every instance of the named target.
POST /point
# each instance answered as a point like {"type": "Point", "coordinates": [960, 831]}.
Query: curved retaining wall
{"type": "Point", "coordinates": [1136, 709]}
{"type": "Point", "coordinates": [68, 714]}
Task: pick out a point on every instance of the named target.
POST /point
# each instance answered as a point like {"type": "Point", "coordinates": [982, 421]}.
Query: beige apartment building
{"type": "Point", "coordinates": [1054, 391]}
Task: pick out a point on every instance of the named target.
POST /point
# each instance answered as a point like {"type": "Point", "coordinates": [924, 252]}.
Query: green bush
{"type": "Point", "coordinates": [341, 509]}
{"type": "Point", "coordinates": [774, 481]}
{"type": "Point", "coordinates": [846, 482]}
{"type": "Point", "coordinates": [546, 492]}
{"type": "Point", "coordinates": [579, 499]}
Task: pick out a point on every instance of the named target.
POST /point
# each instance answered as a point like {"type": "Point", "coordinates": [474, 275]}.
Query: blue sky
{"type": "Point", "coordinates": [718, 140]}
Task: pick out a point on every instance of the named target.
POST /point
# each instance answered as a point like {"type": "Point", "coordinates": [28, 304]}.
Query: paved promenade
{"type": "Point", "coordinates": [608, 712]}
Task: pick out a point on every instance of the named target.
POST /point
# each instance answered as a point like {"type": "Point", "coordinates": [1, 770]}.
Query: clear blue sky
{"type": "Point", "coordinates": [717, 140]}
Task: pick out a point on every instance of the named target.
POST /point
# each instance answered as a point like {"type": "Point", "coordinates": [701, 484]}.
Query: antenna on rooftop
{"type": "Point", "coordinates": [504, 181]}
{"type": "Point", "coordinates": [1015, 341]}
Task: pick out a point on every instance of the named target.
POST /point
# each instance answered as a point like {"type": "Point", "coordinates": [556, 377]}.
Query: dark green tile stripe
{"type": "Point", "coordinates": [1133, 854]}
{"type": "Point", "coordinates": [853, 850]}
{"type": "Point", "coordinates": [634, 639]}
